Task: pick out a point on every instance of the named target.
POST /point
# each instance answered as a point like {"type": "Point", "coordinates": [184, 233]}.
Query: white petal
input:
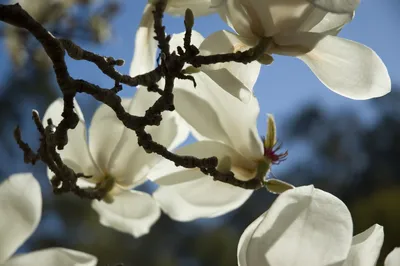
{"type": "Point", "coordinates": [337, 6]}
{"type": "Point", "coordinates": [54, 256]}
{"type": "Point", "coordinates": [243, 17]}
{"type": "Point", "coordinates": [20, 208]}
{"type": "Point", "coordinates": [131, 212]}
{"type": "Point", "coordinates": [76, 153]}
{"type": "Point", "coordinates": [144, 56]}
{"type": "Point", "coordinates": [286, 16]}
{"type": "Point", "coordinates": [177, 39]}
{"type": "Point", "coordinates": [366, 247]}
{"type": "Point", "coordinates": [346, 67]}
{"type": "Point", "coordinates": [198, 7]}
{"type": "Point", "coordinates": [393, 259]}
{"type": "Point", "coordinates": [215, 114]}
{"type": "Point", "coordinates": [200, 198]}
{"type": "Point", "coordinates": [332, 23]}
{"type": "Point", "coordinates": [231, 76]}
{"type": "Point", "coordinates": [105, 131]}
{"type": "Point", "coordinates": [166, 173]}
{"type": "Point", "coordinates": [304, 226]}
{"type": "Point", "coordinates": [245, 239]}
{"type": "Point", "coordinates": [129, 163]}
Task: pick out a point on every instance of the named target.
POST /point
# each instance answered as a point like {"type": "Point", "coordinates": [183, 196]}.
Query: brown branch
{"type": "Point", "coordinates": [55, 137]}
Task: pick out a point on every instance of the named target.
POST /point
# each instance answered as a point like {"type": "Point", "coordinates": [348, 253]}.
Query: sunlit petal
{"type": "Point", "coordinates": [53, 256]}
{"type": "Point", "coordinates": [346, 67]}
{"type": "Point", "coordinates": [200, 198]}
{"type": "Point", "coordinates": [304, 226]}
{"type": "Point", "coordinates": [366, 247]}
{"type": "Point", "coordinates": [131, 212]}
{"type": "Point", "coordinates": [76, 153]}
{"type": "Point", "coordinates": [20, 208]}
{"type": "Point", "coordinates": [393, 259]}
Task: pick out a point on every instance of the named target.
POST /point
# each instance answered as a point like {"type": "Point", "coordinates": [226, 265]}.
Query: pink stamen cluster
{"type": "Point", "coordinates": [272, 154]}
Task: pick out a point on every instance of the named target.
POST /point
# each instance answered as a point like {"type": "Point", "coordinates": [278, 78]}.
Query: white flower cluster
{"type": "Point", "coordinates": [304, 226]}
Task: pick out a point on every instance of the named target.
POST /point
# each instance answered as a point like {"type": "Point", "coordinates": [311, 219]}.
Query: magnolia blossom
{"type": "Point", "coordinates": [114, 160]}
{"type": "Point", "coordinates": [307, 226]}
{"type": "Point", "coordinates": [300, 29]}
{"type": "Point", "coordinates": [236, 78]}
{"type": "Point", "coordinates": [226, 127]}
{"type": "Point", "coordinates": [21, 208]}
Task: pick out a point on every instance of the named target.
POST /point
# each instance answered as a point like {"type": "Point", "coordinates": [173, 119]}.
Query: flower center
{"type": "Point", "coordinates": [272, 153]}
{"type": "Point", "coordinates": [106, 187]}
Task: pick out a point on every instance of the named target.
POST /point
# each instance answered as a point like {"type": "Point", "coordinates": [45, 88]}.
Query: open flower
{"type": "Point", "coordinates": [114, 160]}
{"type": "Point", "coordinates": [21, 208]}
{"type": "Point", "coordinates": [300, 29]}
{"type": "Point", "coordinates": [226, 127]}
{"type": "Point", "coordinates": [307, 226]}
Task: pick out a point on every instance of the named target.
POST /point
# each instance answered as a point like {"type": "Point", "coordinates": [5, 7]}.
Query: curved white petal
{"type": "Point", "coordinates": [198, 7]}
{"type": "Point", "coordinates": [304, 226]}
{"type": "Point", "coordinates": [232, 77]}
{"type": "Point", "coordinates": [286, 16]}
{"type": "Point", "coordinates": [131, 212]}
{"type": "Point", "coordinates": [200, 198]}
{"type": "Point", "coordinates": [366, 247]}
{"type": "Point", "coordinates": [236, 15]}
{"type": "Point", "coordinates": [393, 259]}
{"type": "Point", "coordinates": [144, 56]}
{"type": "Point", "coordinates": [336, 6]}
{"type": "Point", "coordinates": [53, 256]}
{"type": "Point", "coordinates": [76, 153]}
{"type": "Point", "coordinates": [215, 114]}
{"type": "Point", "coordinates": [20, 208]}
{"type": "Point", "coordinates": [166, 173]}
{"type": "Point", "coordinates": [177, 39]}
{"type": "Point", "coordinates": [105, 131]}
{"type": "Point", "coordinates": [332, 23]}
{"type": "Point", "coordinates": [346, 67]}
{"type": "Point", "coordinates": [245, 239]}
{"type": "Point", "coordinates": [129, 163]}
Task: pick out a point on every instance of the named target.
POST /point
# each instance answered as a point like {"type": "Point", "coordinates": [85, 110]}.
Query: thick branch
{"type": "Point", "coordinates": [171, 67]}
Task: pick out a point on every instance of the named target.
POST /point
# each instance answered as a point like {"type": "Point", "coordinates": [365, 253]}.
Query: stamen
{"type": "Point", "coordinates": [272, 154]}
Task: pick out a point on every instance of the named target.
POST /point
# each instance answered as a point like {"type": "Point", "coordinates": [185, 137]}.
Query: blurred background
{"type": "Point", "coordinates": [348, 148]}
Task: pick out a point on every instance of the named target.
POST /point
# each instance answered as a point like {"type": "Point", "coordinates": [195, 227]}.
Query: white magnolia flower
{"type": "Point", "coordinates": [236, 78]}
{"type": "Point", "coordinates": [112, 156]}
{"type": "Point", "coordinates": [21, 208]}
{"type": "Point", "coordinates": [307, 226]}
{"type": "Point", "coordinates": [188, 200]}
{"type": "Point", "coordinates": [300, 29]}
{"type": "Point", "coordinates": [227, 129]}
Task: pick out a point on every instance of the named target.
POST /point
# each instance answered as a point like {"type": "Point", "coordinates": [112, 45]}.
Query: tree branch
{"type": "Point", "coordinates": [55, 137]}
